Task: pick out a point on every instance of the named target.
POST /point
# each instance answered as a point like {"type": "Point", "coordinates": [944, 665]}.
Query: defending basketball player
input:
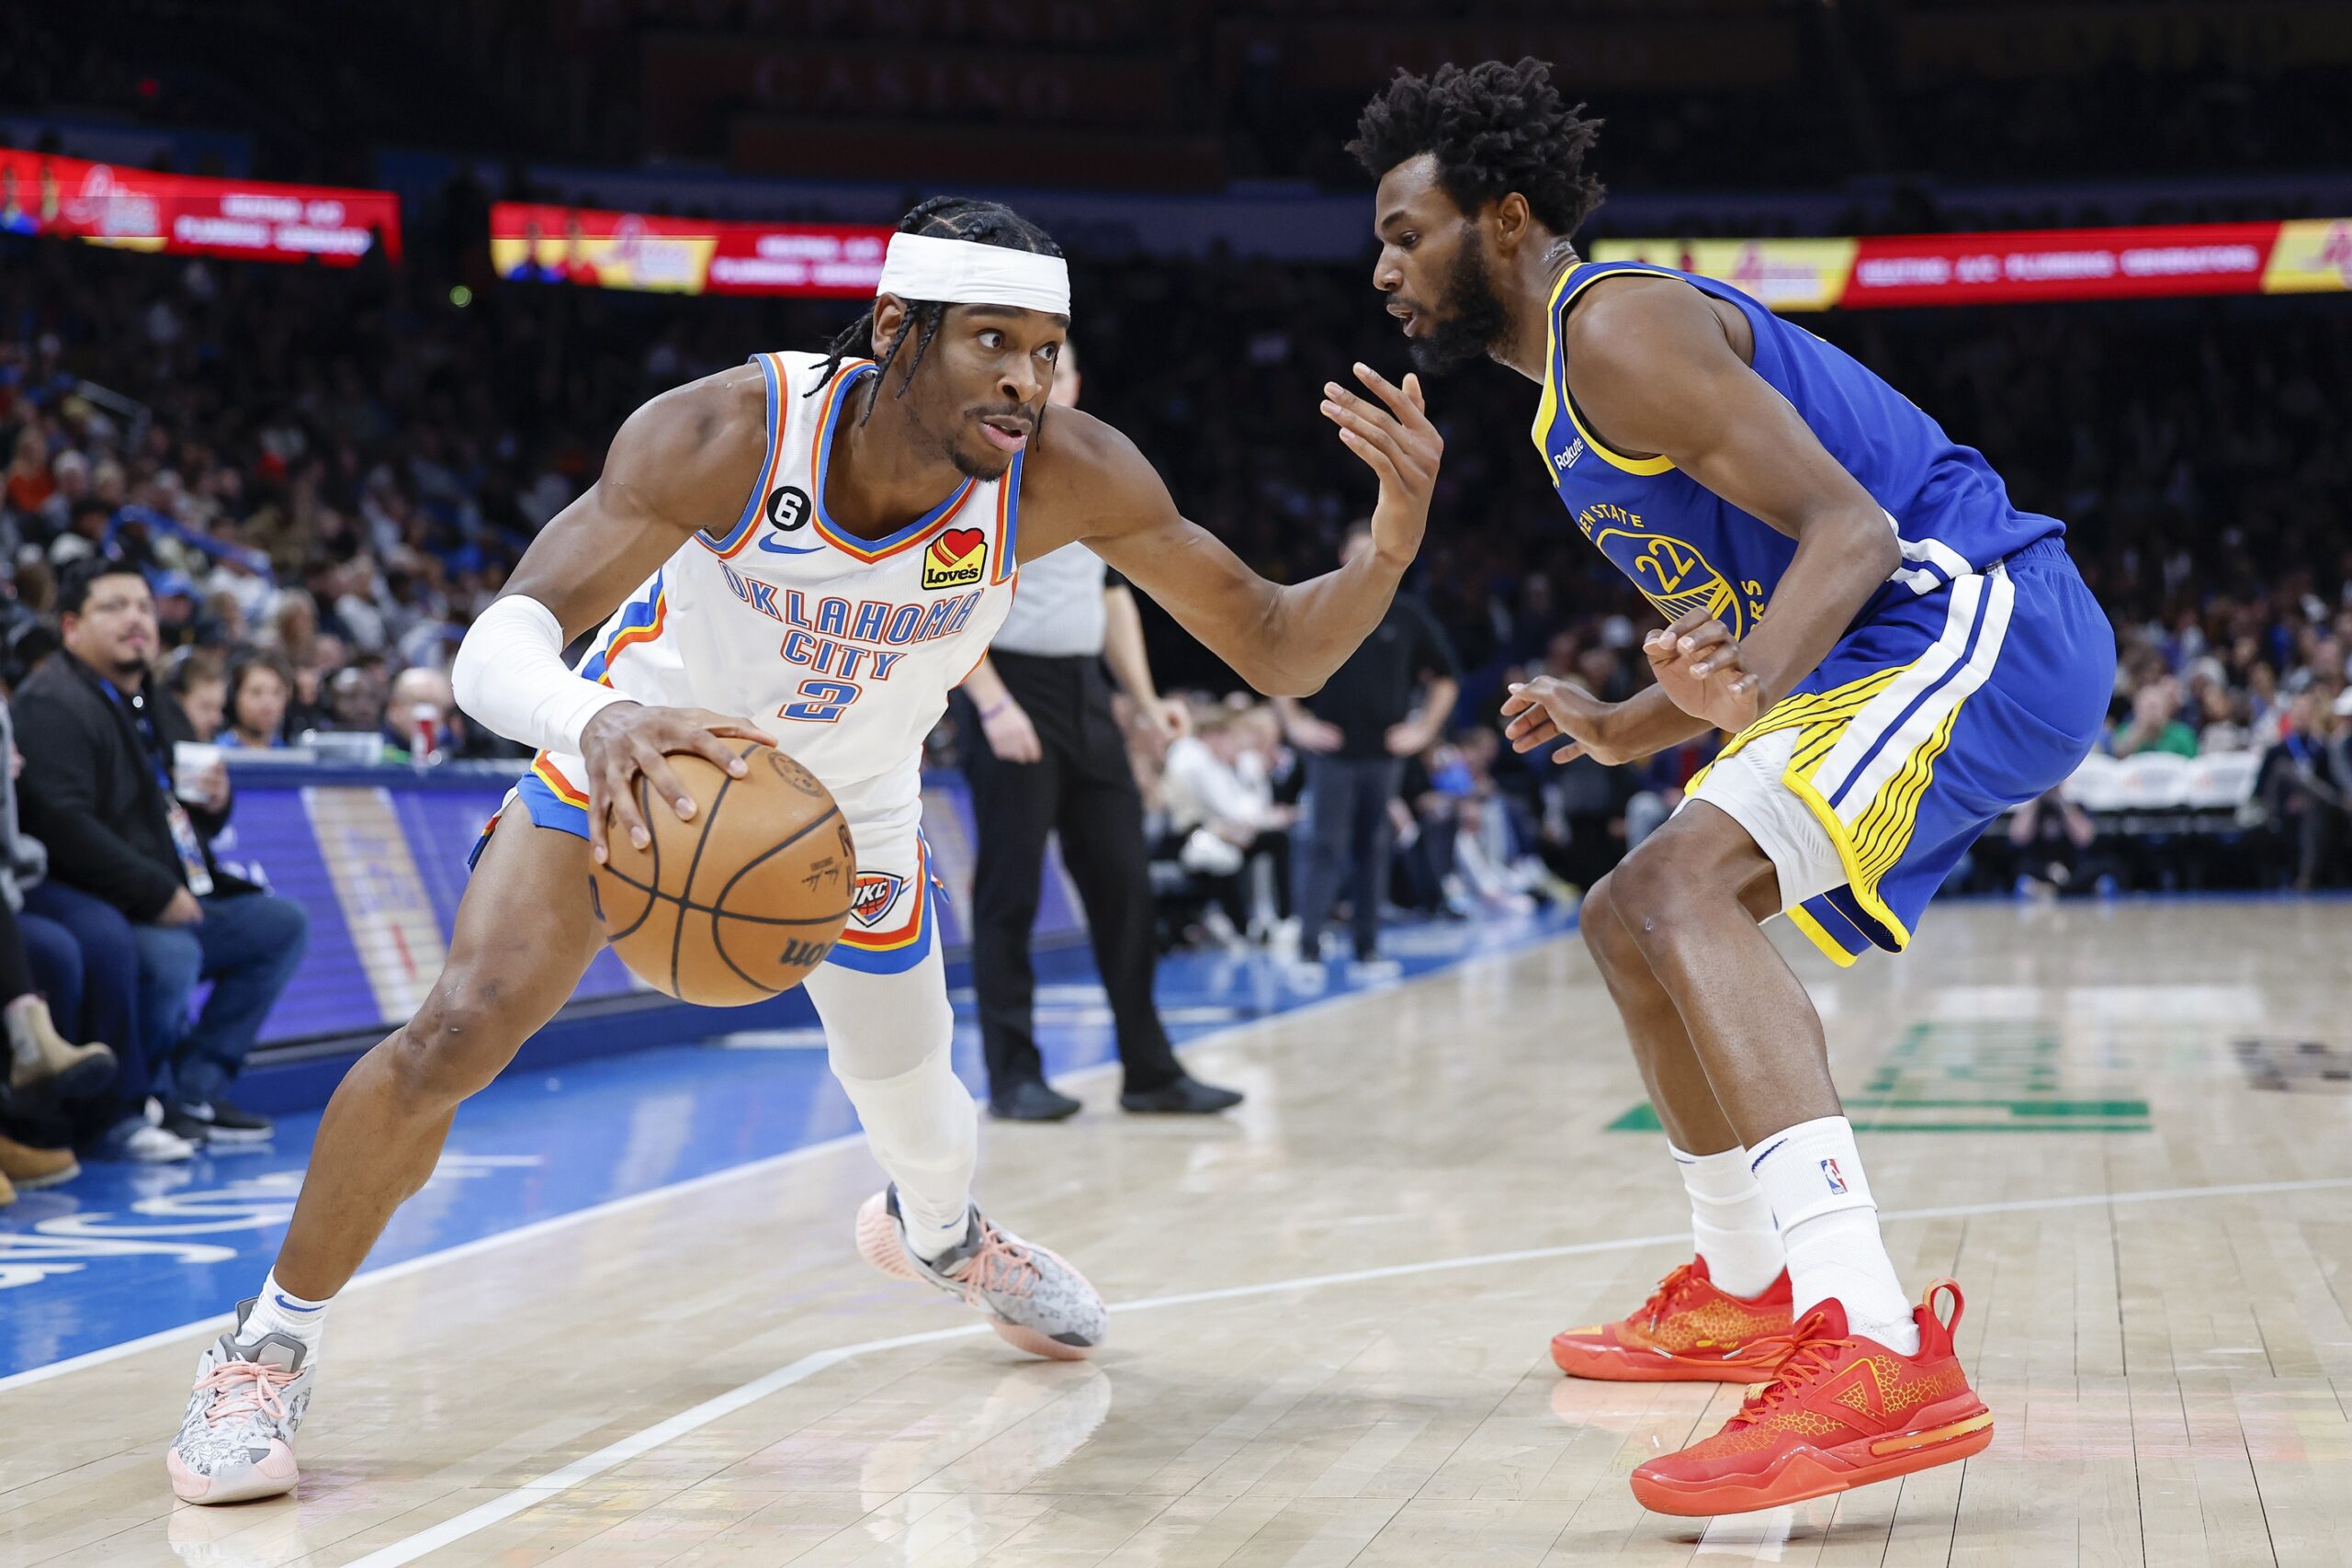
{"type": "Point", "coordinates": [1899, 654]}
{"type": "Point", "coordinates": [812, 551]}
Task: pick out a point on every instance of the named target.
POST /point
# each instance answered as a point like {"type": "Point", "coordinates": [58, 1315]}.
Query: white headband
{"type": "Point", "coordinates": [963, 272]}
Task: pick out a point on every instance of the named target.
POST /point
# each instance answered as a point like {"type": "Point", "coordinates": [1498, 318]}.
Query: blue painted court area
{"type": "Point", "coordinates": [127, 1251]}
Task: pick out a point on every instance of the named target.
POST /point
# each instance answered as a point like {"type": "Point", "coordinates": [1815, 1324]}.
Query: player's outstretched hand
{"type": "Point", "coordinates": [629, 738]}
{"type": "Point", "coordinates": [1698, 661]}
{"type": "Point", "coordinates": [1545, 710]}
{"type": "Point", "coordinates": [1391, 433]}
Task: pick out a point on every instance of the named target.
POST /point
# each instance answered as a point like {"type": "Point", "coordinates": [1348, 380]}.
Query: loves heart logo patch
{"type": "Point", "coordinates": [957, 559]}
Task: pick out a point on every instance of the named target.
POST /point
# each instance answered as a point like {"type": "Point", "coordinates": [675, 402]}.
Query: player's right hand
{"type": "Point", "coordinates": [1547, 709]}
{"type": "Point", "coordinates": [629, 738]}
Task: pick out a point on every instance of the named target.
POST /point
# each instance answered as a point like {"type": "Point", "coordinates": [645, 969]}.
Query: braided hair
{"type": "Point", "coordinates": [947, 218]}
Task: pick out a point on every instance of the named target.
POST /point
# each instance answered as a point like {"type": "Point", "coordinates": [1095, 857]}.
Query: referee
{"type": "Point", "coordinates": [1043, 754]}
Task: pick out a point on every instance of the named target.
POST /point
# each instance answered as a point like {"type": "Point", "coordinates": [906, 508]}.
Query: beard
{"type": "Point", "coordinates": [993, 467]}
{"type": "Point", "coordinates": [1475, 318]}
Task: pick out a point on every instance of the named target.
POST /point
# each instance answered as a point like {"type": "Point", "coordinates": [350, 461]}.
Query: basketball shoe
{"type": "Point", "coordinates": [1689, 1331]}
{"type": "Point", "coordinates": [236, 1442]}
{"type": "Point", "coordinates": [1841, 1412]}
{"type": "Point", "coordinates": [1033, 1298]}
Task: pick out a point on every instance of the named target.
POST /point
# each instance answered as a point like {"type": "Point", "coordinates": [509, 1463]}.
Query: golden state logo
{"type": "Point", "coordinates": [877, 892]}
{"type": "Point", "coordinates": [1673, 575]}
{"type": "Point", "coordinates": [957, 559]}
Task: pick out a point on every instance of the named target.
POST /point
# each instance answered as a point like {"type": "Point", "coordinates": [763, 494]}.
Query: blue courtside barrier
{"type": "Point", "coordinates": [377, 855]}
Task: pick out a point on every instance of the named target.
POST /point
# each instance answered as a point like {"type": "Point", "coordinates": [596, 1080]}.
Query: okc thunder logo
{"type": "Point", "coordinates": [877, 894]}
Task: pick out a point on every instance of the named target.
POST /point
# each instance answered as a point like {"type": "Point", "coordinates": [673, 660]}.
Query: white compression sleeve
{"type": "Point", "coordinates": [510, 674]}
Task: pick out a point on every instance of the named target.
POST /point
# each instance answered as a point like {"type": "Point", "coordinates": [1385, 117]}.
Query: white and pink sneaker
{"type": "Point", "coordinates": [1033, 1299]}
{"type": "Point", "coordinates": [236, 1442]}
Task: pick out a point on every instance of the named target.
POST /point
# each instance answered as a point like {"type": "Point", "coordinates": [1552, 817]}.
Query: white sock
{"type": "Point", "coordinates": [1812, 1176]}
{"type": "Point", "coordinates": [280, 1311]}
{"type": "Point", "coordinates": [1731, 1222]}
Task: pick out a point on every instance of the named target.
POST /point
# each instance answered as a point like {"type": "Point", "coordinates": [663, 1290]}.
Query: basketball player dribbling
{"type": "Point", "coordinates": [812, 550]}
{"type": "Point", "coordinates": [1899, 654]}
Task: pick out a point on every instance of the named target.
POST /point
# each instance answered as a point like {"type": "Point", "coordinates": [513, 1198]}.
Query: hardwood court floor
{"type": "Point", "coordinates": [1330, 1346]}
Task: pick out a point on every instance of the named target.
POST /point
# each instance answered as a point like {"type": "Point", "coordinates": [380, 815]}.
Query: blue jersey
{"type": "Point", "coordinates": [1687, 548]}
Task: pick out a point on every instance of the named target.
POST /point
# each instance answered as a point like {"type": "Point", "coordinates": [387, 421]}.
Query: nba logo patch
{"type": "Point", "coordinates": [877, 894]}
{"type": "Point", "coordinates": [957, 559]}
{"type": "Point", "coordinates": [1831, 1173]}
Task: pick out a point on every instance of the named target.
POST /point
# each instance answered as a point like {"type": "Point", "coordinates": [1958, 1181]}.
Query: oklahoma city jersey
{"type": "Point", "coordinates": [843, 648]}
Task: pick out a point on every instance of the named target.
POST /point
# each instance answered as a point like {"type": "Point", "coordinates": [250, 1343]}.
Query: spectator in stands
{"type": "Point", "coordinates": [39, 960]}
{"type": "Point", "coordinates": [1496, 865]}
{"type": "Point", "coordinates": [85, 531]}
{"type": "Point", "coordinates": [2051, 836]}
{"type": "Point", "coordinates": [202, 686]}
{"type": "Point", "coordinates": [357, 695]}
{"type": "Point", "coordinates": [2306, 783]}
{"type": "Point", "coordinates": [1388, 702]}
{"type": "Point", "coordinates": [1222, 818]}
{"type": "Point", "coordinates": [259, 686]}
{"type": "Point", "coordinates": [421, 697]}
{"type": "Point", "coordinates": [100, 791]}
{"type": "Point", "coordinates": [29, 483]}
{"type": "Point", "coordinates": [2156, 724]}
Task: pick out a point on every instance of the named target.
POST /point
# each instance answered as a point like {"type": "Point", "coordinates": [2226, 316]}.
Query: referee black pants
{"type": "Point", "coordinates": [1084, 789]}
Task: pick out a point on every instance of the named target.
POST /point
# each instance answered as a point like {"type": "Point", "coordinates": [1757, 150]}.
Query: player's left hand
{"type": "Point", "coordinates": [1699, 662]}
{"type": "Point", "coordinates": [1397, 442]}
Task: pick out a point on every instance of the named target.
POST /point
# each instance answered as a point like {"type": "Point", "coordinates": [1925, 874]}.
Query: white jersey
{"type": "Point", "coordinates": [843, 648]}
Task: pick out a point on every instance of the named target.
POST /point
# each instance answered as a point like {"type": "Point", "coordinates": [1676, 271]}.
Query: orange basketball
{"type": "Point", "coordinates": [742, 901]}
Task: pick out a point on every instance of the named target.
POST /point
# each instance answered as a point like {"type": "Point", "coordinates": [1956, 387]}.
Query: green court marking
{"type": "Point", "coordinates": [2013, 1078]}
{"type": "Point", "coordinates": [1643, 1118]}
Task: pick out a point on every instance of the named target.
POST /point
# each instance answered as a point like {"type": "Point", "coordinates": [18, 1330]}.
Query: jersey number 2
{"type": "Point", "coordinates": [821, 703]}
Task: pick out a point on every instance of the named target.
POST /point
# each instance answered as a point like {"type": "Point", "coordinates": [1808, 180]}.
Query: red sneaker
{"type": "Point", "coordinates": [1689, 1331]}
{"type": "Point", "coordinates": [1842, 1412]}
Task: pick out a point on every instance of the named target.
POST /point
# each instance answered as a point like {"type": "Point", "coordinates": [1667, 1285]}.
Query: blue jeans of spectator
{"type": "Point", "coordinates": [102, 1005]}
{"type": "Point", "coordinates": [54, 961]}
{"type": "Point", "coordinates": [248, 945]}
{"type": "Point", "coordinates": [1349, 839]}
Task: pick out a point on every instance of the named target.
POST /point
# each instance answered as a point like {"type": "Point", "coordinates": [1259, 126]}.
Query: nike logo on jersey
{"type": "Point", "coordinates": [767, 543]}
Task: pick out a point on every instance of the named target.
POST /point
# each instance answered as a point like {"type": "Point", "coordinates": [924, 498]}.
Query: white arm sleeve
{"type": "Point", "coordinates": [510, 674]}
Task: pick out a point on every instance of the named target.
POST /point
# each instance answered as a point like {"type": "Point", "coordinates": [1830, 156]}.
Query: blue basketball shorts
{"type": "Point", "coordinates": [1928, 719]}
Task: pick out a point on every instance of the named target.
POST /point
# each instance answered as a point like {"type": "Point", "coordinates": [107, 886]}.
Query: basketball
{"type": "Point", "coordinates": [742, 901]}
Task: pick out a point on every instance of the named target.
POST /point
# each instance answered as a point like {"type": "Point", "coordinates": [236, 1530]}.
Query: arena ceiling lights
{"type": "Point", "coordinates": [1887, 271]}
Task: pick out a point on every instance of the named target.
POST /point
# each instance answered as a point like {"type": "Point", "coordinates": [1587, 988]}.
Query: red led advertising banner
{"type": "Point", "coordinates": [2302, 257]}
{"type": "Point", "coordinates": [683, 255]}
{"type": "Point", "coordinates": [107, 204]}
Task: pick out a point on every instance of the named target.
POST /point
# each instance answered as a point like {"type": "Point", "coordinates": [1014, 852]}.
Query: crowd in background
{"type": "Point", "coordinates": [323, 476]}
